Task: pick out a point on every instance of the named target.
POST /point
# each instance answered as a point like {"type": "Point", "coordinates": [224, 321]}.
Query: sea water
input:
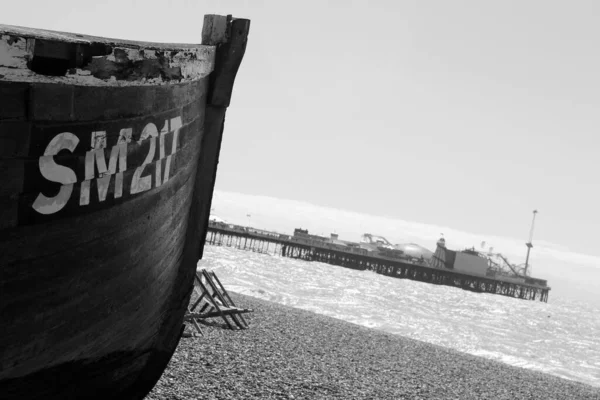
{"type": "Point", "coordinates": [561, 337]}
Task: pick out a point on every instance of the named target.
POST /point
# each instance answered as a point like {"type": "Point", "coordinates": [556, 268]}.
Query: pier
{"type": "Point", "coordinates": [272, 243]}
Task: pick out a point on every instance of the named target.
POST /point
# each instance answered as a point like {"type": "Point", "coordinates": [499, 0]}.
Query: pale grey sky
{"type": "Point", "coordinates": [467, 114]}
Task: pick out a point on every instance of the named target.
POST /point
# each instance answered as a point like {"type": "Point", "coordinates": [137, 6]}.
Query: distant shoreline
{"type": "Point", "coordinates": [293, 353]}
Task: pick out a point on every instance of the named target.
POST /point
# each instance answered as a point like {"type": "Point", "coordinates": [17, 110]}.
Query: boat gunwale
{"type": "Point", "coordinates": [30, 55]}
{"type": "Point", "coordinates": [79, 38]}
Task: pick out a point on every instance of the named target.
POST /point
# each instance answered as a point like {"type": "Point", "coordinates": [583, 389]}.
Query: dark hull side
{"type": "Point", "coordinates": [95, 275]}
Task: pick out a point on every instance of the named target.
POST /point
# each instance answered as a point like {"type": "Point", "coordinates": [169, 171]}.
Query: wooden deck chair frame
{"type": "Point", "coordinates": [217, 302]}
{"type": "Point", "coordinates": [216, 285]}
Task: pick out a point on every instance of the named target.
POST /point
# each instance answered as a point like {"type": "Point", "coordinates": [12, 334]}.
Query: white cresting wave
{"type": "Point", "coordinates": [561, 337]}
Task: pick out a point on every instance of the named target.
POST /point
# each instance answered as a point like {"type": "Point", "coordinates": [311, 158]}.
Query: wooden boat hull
{"type": "Point", "coordinates": [104, 205]}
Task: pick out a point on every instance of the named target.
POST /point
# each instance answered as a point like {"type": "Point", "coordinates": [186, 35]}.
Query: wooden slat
{"type": "Point", "coordinates": [222, 288]}
{"type": "Point", "coordinates": [216, 306]}
{"type": "Point", "coordinates": [209, 159]}
{"type": "Point", "coordinates": [64, 58]}
{"type": "Point", "coordinates": [63, 103]}
{"type": "Point", "coordinates": [13, 101]}
{"type": "Point", "coordinates": [9, 211]}
{"type": "Point", "coordinates": [215, 29]}
{"type": "Point", "coordinates": [220, 295]}
{"type": "Point", "coordinates": [228, 62]}
{"type": "Point", "coordinates": [14, 139]}
{"type": "Point", "coordinates": [197, 326]}
{"type": "Point", "coordinates": [217, 302]}
{"type": "Point", "coordinates": [79, 38]}
{"type": "Point", "coordinates": [12, 172]}
{"type": "Point", "coordinates": [223, 311]}
{"type": "Point", "coordinates": [219, 98]}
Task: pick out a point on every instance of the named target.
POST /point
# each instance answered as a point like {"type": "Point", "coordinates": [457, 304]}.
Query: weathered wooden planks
{"type": "Point", "coordinates": [110, 262]}
{"type": "Point", "coordinates": [217, 103]}
{"type": "Point", "coordinates": [93, 285]}
{"type": "Point", "coordinates": [228, 62]}
{"type": "Point", "coordinates": [42, 56]}
{"type": "Point", "coordinates": [64, 103]}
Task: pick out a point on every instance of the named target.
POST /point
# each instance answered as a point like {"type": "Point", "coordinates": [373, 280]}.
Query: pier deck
{"type": "Point", "coordinates": [289, 246]}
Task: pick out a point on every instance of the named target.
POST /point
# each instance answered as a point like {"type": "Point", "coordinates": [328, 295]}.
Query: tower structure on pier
{"type": "Point", "coordinates": [530, 244]}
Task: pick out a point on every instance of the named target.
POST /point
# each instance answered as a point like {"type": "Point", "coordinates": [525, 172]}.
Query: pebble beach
{"type": "Point", "coordinates": [289, 353]}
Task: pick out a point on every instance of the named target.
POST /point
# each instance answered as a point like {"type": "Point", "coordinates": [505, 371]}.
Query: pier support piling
{"type": "Point", "coordinates": [286, 246]}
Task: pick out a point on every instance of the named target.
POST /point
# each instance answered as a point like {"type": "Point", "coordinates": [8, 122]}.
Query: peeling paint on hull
{"type": "Point", "coordinates": [98, 64]}
{"type": "Point", "coordinates": [108, 155]}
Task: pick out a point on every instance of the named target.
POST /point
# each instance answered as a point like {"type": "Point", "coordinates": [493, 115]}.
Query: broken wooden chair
{"type": "Point", "coordinates": [213, 301]}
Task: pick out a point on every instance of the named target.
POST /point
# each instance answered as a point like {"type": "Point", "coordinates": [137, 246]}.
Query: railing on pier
{"type": "Point", "coordinates": [287, 246]}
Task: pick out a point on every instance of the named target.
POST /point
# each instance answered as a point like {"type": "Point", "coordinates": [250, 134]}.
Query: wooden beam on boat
{"type": "Point", "coordinates": [227, 61]}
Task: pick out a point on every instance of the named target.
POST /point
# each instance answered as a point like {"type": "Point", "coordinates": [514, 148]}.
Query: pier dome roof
{"type": "Point", "coordinates": [414, 250]}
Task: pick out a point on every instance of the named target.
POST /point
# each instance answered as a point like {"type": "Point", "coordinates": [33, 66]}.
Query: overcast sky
{"type": "Point", "coordinates": [467, 114]}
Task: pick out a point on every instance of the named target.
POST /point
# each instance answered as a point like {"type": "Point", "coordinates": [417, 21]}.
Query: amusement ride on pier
{"type": "Point", "coordinates": [468, 269]}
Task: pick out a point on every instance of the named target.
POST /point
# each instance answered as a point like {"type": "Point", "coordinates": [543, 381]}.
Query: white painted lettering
{"type": "Point", "coordinates": [97, 167]}
{"type": "Point", "coordinates": [176, 124]}
{"type": "Point", "coordinates": [138, 183]}
{"type": "Point", "coordinates": [96, 157]}
{"type": "Point", "coordinates": [125, 135]}
{"type": "Point", "coordinates": [158, 172]}
{"type": "Point", "coordinates": [56, 173]}
{"type": "Point", "coordinates": [161, 140]}
{"type": "Point", "coordinates": [99, 140]}
{"type": "Point", "coordinates": [167, 169]}
{"type": "Point", "coordinates": [118, 185]}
